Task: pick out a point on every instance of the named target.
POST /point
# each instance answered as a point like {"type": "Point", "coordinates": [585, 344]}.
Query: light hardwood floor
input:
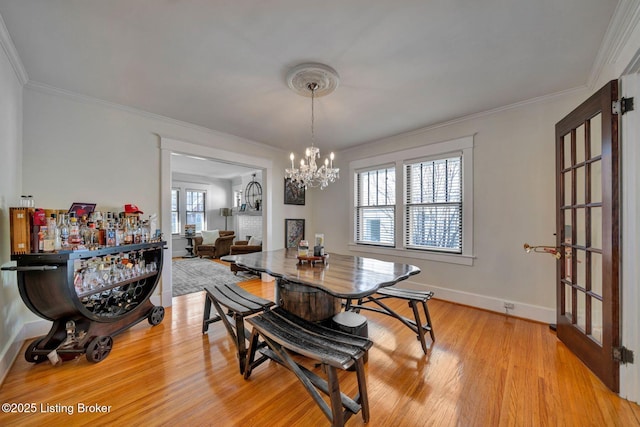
{"type": "Point", "coordinates": [485, 369]}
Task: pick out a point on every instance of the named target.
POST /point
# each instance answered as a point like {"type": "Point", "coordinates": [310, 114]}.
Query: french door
{"type": "Point", "coordinates": [587, 230]}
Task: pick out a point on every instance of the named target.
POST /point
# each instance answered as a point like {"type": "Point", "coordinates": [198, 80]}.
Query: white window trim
{"type": "Point", "coordinates": [399, 159]}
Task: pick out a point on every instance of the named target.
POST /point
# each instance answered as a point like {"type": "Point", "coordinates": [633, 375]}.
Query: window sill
{"type": "Point", "coordinates": [405, 253]}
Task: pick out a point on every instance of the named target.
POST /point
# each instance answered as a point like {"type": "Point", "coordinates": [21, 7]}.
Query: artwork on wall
{"type": "Point", "coordinates": [293, 232]}
{"type": "Point", "coordinates": [293, 194]}
{"type": "Point", "coordinates": [81, 209]}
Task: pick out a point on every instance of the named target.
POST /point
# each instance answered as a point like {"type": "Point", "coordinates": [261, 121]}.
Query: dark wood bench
{"type": "Point", "coordinates": [413, 297]}
{"type": "Point", "coordinates": [285, 334]}
{"type": "Point", "coordinates": [239, 304]}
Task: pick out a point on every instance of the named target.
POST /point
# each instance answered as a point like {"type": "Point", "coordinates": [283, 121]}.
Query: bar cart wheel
{"type": "Point", "coordinates": [31, 354]}
{"type": "Point", "coordinates": [99, 348]}
{"type": "Point", "coordinates": [156, 315]}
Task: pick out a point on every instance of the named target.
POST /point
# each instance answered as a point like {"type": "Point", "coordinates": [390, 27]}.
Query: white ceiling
{"type": "Point", "coordinates": [222, 64]}
{"type": "Point", "coordinates": [204, 167]}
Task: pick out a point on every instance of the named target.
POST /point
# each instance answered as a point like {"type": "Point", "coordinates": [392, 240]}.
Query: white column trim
{"type": "Point", "coordinates": [630, 268]}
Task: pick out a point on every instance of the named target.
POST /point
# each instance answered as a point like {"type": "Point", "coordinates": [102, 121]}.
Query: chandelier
{"type": "Point", "coordinates": [312, 80]}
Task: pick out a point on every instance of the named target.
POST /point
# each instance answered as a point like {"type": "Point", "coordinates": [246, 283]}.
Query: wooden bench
{"type": "Point", "coordinates": [285, 334]}
{"type": "Point", "coordinates": [413, 297]}
{"type": "Point", "coordinates": [239, 304]}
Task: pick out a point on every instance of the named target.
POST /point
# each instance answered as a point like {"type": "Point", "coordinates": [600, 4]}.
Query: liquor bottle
{"type": "Point", "coordinates": [111, 234]}
{"type": "Point", "coordinates": [137, 233]}
{"type": "Point", "coordinates": [102, 232]}
{"type": "Point", "coordinates": [120, 233]}
{"type": "Point", "coordinates": [91, 234]}
{"type": "Point", "coordinates": [63, 225]}
{"type": "Point", "coordinates": [50, 236]}
{"type": "Point", "coordinates": [41, 233]}
{"type": "Point", "coordinates": [74, 232]}
{"type": "Point", "coordinates": [128, 232]}
{"type": "Point", "coordinates": [57, 234]}
{"type": "Point", "coordinates": [84, 229]}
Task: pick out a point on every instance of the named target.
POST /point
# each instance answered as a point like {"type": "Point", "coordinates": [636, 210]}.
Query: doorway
{"type": "Point", "coordinates": [169, 146]}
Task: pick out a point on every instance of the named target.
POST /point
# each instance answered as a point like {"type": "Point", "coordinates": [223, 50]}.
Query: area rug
{"type": "Point", "coordinates": [193, 274]}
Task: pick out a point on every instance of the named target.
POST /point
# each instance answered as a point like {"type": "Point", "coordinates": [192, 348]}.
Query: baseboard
{"type": "Point", "coordinates": [29, 330]}
{"type": "Point", "coordinates": [520, 309]}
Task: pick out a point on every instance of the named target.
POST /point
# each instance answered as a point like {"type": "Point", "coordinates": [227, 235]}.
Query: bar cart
{"type": "Point", "coordinates": [90, 295]}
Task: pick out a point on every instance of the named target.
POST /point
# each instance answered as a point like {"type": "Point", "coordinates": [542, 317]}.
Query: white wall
{"type": "Point", "coordinates": [82, 149]}
{"type": "Point", "coordinates": [514, 203]}
{"type": "Point", "coordinates": [11, 307]}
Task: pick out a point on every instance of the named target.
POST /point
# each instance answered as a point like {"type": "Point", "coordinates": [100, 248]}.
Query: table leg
{"type": "Point", "coordinates": [310, 303]}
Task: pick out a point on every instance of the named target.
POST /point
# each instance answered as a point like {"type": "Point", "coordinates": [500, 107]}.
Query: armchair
{"type": "Point", "coordinates": [219, 248]}
{"type": "Point", "coordinates": [243, 247]}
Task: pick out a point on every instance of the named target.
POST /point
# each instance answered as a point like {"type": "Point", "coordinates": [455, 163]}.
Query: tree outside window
{"type": "Point", "coordinates": [434, 205]}
{"type": "Point", "coordinates": [375, 207]}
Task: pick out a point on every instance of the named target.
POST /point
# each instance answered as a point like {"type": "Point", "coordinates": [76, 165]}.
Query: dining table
{"type": "Point", "coordinates": [314, 287]}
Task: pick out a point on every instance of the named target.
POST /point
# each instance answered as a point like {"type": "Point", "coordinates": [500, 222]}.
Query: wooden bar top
{"type": "Point", "coordinates": [343, 276]}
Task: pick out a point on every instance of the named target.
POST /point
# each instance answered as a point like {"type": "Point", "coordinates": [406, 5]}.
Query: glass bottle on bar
{"type": "Point", "coordinates": [63, 225]}
{"type": "Point", "coordinates": [74, 231]}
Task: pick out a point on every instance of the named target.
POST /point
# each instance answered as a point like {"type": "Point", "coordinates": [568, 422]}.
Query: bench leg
{"type": "Point", "coordinates": [240, 341]}
{"type": "Point", "coordinates": [363, 397]}
{"type": "Point", "coordinates": [206, 319]}
{"type": "Point", "coordinates": [415, 325]}
{"type": "Point", "coordinates": [253, 346]}
{"type": "Point", "coordinates": [419, 327]}
{"type": "Point", "coordinates": [236, 332]}
{"type": "Point", "coordinates": [428, 316]}
{"type": "Point", "coordinates": [334, 395]}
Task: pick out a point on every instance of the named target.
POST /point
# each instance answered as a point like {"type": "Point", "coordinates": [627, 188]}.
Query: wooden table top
{"type": "Point", "coordinates": [343, 276]}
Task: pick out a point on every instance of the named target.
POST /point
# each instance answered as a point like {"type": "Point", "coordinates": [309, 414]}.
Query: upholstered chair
{"type": "Point", "coordinates": [244, 247]}
{"type": "Point", "coordinates": [213, 244]}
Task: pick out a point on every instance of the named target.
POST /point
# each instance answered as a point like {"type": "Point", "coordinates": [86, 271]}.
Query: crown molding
{"type": "Point", "coordinates": [12, 54]}
{"type": "Point", "coordinates": [624, 20]}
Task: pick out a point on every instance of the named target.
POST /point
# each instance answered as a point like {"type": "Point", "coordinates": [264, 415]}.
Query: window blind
{"type": "Point", "coordinates": [375, 206]}
{"type": "Point", "coordinates": [433, 209]}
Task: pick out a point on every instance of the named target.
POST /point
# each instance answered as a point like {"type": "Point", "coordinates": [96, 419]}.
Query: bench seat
{"type": "Point", "coordinates": [239, 304]}
{"type": "Point", "coordinates": [286, 334]}
{"type": "Point", "coordinates": [413, 297]}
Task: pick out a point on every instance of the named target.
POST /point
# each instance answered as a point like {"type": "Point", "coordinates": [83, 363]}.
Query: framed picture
{"type": "Point", "coordinates": [243, 207]}
{"type": "Point", "coordinates": [293, 195]}
{"type": "Point", "coordinates": [82, 208]}
{"type": "Point", "coordinates": [293, 232]}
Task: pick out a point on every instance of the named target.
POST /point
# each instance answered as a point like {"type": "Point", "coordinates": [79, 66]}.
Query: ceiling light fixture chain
{"type": "Point", "coordinates": [316, 80]}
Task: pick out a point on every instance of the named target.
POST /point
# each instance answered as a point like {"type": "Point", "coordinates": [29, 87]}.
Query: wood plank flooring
{"type": "Point", "coordinates": [485, 369]}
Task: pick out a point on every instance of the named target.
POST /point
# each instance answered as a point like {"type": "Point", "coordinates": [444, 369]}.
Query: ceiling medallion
{"type": "Point", "coordinates": [312, 80]}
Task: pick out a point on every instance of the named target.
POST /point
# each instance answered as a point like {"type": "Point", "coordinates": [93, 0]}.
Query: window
{"type": "Point", "coordinates": [175, 211]}
{"type": "Point", "coordinates": [237, 198]}
{"type": "Point", "coordinates": [195, 209]}
{"type": "Point", "coordinates": [416, 203]}
{"type": "Point", "coordinates": [375, 207]}
{"type": "Point", "coordinates": [433, 211]}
